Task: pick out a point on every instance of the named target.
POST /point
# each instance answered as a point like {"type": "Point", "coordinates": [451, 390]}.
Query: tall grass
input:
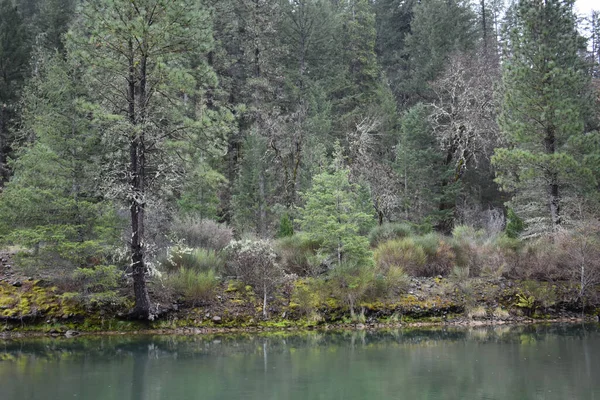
{"type": "Point", "coordinates": [389, 231]}
{"type": "Point", "coordinates": [195, 286]}
{"type": "Point", "coordinates": [200, 260]}
{"type": "Point", "coordinates": [297, 255]}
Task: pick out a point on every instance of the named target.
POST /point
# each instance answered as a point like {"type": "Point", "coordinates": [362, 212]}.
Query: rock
{"type": "Point", "coordinates": [7, 266]}
{"type": "Point", "coordinates": [71, 333]}
{"type": "Point", "coordinates": [17, 284]}
{"type": "Point", "coordinates": [216, 319]}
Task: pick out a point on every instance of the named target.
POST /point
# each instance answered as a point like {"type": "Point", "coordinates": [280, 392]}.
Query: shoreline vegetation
{"type": "Point", "coordinates": [183, 164]}
{"type": "Point", "coordinates": [47, 302]}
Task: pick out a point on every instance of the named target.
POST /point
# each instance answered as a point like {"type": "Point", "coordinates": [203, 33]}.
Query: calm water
{"type": "Point", "coordinates": [556, 362]}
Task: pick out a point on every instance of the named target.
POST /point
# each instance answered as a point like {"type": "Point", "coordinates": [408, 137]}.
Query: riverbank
{"type": "Point", "coordinates": [36, 308]}
{"type": "Point", "coordinates": [32, 305]}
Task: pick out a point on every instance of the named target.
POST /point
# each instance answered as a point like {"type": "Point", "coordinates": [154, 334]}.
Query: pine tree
{"type": "Point", "coordinates": [52, 197]}
{"type": "Point", "coordinates": [335, 216]}
{"type": "Point", "coordinates": [439, 28]}
{"type": "Point", "coordinates": [142, 71]}
{"type": "Point", "coordinates": [542, 108]}
{"type": "Point", "coordinates": [14, 61]}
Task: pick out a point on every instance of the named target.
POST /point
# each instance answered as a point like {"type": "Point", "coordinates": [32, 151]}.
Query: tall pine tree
{"type": "Point", "coordinates": [544, 83]}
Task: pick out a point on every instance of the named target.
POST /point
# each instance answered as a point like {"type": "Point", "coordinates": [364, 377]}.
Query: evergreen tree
{"type": "Point", "coordinates": [14, 61]}
{"type": "Point", "coordinates": [52, 198]}
{"type": "Point", "coordinates": [53, 22]}
{"type": "Point", "coordinates": [335, 216]}
{"type": "Point", "coordinates": [543, 107]}
{"type": "Point", "coordinates": [142, 72]}
{"type": "Point", "coordinates": [439, 28]}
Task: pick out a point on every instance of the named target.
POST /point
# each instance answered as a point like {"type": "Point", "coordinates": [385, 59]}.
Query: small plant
{"type": "Point", "coordinates": [306, 296]}
{"type": "Point", "coordinates": [286, 227]}
{"type": "Point", "coordinates": [500, 313]}
{"type": "Point", "coordinates": [400, 253]}
{"type": "Point", "coordinates": [525, 302]}
{"type": "Point", "coordinates": [477, 312]}
{"type": "Point", "coordinates": [97, 287]}
{"type": "Point", "coordinates": [514, 225]}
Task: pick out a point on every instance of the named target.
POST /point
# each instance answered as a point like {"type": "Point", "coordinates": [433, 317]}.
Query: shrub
{"type": "Point", "coordinates": [297, 255]}
{"type": "Point", "coordinates": [514, 225]}
{"type": "Point", "coordinates": [389, 231]}
{"type": "Point", "coordinates": [199, 260]}
{"type": "Point", "coordinates": [351, 282]}
{"type": "Point", "coordinates": [255, 263]}
{"type": "Point", "coordinates": [440, 256]}
{"type": "Point", "coordinates": [307, 294]}
{"type": "Point", "coordinates": [477, 312]}
{"type": "Point", "coordinates": [195, 286]}
{"type": "Point", "coordinates": [500, 313]}
{"type": "Point", "coordinates": [402, 253]}
{"type": "Point", "coordinates": [428, 255]}
{"type": "Point", "coordinates": [204, 233]}
{"type": "Point", "coordinates": [393, 283]}
{"type": "Point", "coordinates": [580, 252]}
{"type": "Point", "coordinates": [286, 228]}
{"type": "Point", "coordinates": [96, 287]}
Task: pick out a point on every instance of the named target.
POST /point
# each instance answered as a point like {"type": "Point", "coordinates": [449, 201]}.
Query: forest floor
{"type": "Point", "coordinates": [32, 306]}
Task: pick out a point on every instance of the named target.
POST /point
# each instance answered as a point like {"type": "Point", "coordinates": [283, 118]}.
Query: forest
{"type": "Point", "coordinates": [157, 154]}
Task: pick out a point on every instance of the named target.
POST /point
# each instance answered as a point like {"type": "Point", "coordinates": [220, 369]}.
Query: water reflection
{"type": "Point", "coordinates": [532, 362]}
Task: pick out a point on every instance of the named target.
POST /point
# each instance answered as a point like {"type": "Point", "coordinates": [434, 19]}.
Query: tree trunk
{"type": "Point", "coordinates": [262, 218]}
{"type": "Point", "coordinates": [265, 300]}
{"type": "Point", "coordinates": [137, 159]}
{"type": "Point", "coordinates": [552, 188]}
{"type": "Point", "coordinates": [3, 146]}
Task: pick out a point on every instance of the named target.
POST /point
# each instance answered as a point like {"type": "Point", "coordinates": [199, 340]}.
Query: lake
{"type": "Point", "coordinates": [516, 363]}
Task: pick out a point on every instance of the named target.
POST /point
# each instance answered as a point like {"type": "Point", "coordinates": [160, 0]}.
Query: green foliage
{"type": "Point", "coordinates": [544, 104]}
{"type": "Point", "coordinates": [197, 260]}
{"type": "Point", "coordinates": [333, 217]}
{"type": "Point", "coordinates": [438, 29]}
{"type": "Point", "coordinates": [307, 295]}
{"type": "Point", "coordinates": [428, 255]}
{"type": "Point", "coordinates": [389, 231]}
{"type": "Point", "coordinates": [14, 53]}
{"type": "Point", "coordinates": [526, 302]}
{"type": "Point", "coordinates": [98, 287]}
{"type": "Point", "coordinates": [422, 168]}
{"type": "Point", "coordinates": [197, 286]}
{"type": "Point", "coordinates": [297, 255]}
{"type": "Point", "coordinates": [286, 227]}
{"type": "Point", "coordinates": [52, 204]}
{"type": "Point", "coordinates": [351, 283]}
{"type": "Point", "coordinates": [403, 253]}
{"type": "Point", "coordinates": [98, 279]}
{"type": "Point", "coordinates": [514, 225]}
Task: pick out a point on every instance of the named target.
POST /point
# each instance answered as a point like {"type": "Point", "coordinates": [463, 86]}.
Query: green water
{"type": "Point", "coordinates": [554, 362]}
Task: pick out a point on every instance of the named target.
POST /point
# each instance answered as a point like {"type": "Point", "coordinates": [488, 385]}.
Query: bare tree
{"type": "Point", "coordinates": [254, 262]}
